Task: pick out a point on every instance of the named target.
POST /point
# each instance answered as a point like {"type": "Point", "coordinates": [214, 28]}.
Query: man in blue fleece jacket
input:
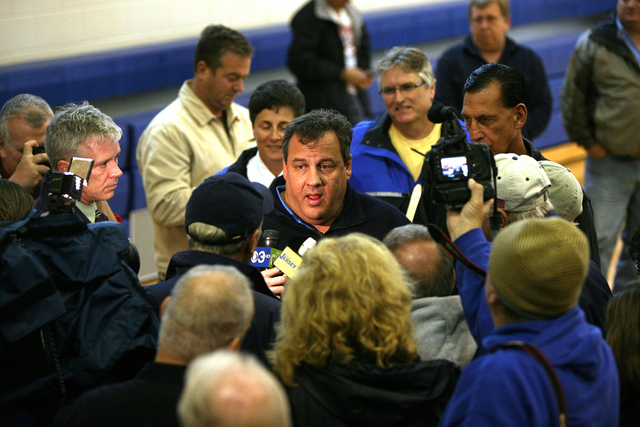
{"type": "Point", "coordinates": [535, 273]}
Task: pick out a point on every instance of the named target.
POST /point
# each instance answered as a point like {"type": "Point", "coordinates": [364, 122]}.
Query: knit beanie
{"type": "Point", "coordinates": [537, 266]}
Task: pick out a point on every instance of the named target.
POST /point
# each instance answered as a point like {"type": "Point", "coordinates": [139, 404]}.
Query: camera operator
{"type": "Point", "coordinates": [81, 130]}
{"type": "Point", "coordinates": [23, 122]}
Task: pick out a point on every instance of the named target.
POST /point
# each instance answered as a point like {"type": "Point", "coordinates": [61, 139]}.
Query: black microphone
{"type": "Point", "coordinates": [439, 113]}
{"type": "Point", "coordinates": [265, 255]}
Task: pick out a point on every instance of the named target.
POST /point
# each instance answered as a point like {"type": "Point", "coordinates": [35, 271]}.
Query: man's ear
{"type": "Point", "coordinates": [348, 166]}
{"type": "Point", "coordinates": [63, 166]}
{"type": "Point", "coordinates": [504, 218]}
{"type": "Point", "coordinates": [164, 305]}
{"type": "Point", "coordinates": [520, 115]}
{"type": "Point", "coordinates": [253, 240]}
{"type": "Point", "coordinates": [285, 172]}
{"type": "Point", "coordinates": [201, 67]}
{"type": "Point", "coordinates": [235, 344]}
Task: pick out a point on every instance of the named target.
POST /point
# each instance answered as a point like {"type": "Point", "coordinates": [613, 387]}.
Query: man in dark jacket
{"type": "Point", "coordinates": [600, 102]}
{"type": "Point", "coordinates": [494, 112]}
{"type": "Point", "coordinates": [329, 55]}
{"type": "Point", "coordinates": [313, 197]}
{"type": "Point", "coordinates": [489, 22]}
{"type": "Point", "coordinates": [223, 219]}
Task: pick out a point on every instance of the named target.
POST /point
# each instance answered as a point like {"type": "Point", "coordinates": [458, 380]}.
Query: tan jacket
{"type": "Point", "coordinates": [184, 144]}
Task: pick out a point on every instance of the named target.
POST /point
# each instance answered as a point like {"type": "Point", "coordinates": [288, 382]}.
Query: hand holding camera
{"type": "Point", "coordinates": [32, 166]}
{"type": "Point", "coordinates": [452, 161]}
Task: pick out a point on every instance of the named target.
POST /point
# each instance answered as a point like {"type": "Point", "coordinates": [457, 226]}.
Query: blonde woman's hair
{"type": "Point", "coordinates": [350, 300]}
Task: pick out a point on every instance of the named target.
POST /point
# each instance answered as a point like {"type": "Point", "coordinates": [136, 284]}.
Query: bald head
{"type": "Point", "coordinates": [426, 263]}
{"type": "Point", "coordinates": [209, 308]}
{"type": "Point", "coordinates": [231, 389]}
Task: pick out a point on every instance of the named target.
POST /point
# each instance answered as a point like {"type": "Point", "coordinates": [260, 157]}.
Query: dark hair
{"type": "Point", "coordinates": [215, 41]}
{"type": "Point", "coordinates": [623, 335]}
{"type": "Point", "coordinates": [435, 282]}
{"type": "Point", "coordinates": [15, 201]}
{"type": "Point", "coordinates": [513, 88]}
{"type": "Point", "coordinates": [273, 94]}
{"type": "Point", "coordinates": [505, 9]}
{"type": "Point", "coordinates": [316, 123]}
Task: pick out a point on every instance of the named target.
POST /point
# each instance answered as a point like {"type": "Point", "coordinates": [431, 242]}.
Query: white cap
{"type": "Point", "coordinates": [565, 192]}
{"type": "Point", "coordinates": [521, 183]}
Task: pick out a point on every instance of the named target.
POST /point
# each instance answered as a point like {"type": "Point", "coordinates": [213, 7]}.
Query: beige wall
{"type": "Point", "coordinates": [32, 30]}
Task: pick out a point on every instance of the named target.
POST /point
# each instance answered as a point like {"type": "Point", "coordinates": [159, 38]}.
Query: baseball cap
{"type": "Point", "coordinates": [231, 203]}
{"type": "Point", "coordinates": [565, 192]}
{"type": "Point", "coordinates": [521, 182]}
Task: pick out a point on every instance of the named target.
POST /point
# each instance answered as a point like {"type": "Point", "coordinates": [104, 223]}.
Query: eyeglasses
{"type": "Point", "coordinates": [404, 89]}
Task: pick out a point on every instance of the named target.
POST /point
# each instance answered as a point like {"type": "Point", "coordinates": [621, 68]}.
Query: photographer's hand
{"type": "Point", "coordinates": [473, 214]}
{"type": "Point", "coordinates": [29, 172]}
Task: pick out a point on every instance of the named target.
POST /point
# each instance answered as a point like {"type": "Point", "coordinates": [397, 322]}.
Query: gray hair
{"type": "Point", "coordinates": [438, 283]}
{"type": "Point", "coordinates": [209, 307]}
{"type": "Point", "coordinates": [232, 389]}
{"type": "Point", "coordinates": [505, 8]}
{"type": "Point", "coordinates": [538, 212]}
{"type": "Point", "coordinates": [409, 60]}
{"type": "Point", "coordinates": [31, 109]}
{"type": "Point", "coordinates": [199, 232]}
{"type": "Point", "coordinates": [73, 126]}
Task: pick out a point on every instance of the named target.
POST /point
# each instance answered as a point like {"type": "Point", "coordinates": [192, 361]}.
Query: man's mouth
{"type": "Point", "coordinates": [314, 199]}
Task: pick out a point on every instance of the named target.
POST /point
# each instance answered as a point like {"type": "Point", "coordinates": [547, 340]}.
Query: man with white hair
{"type": "Point", "coordinates": [210, 308]}
{"type": "Point", "coordinates": [230, 389]}
{"type": "Point", "coordinates": [524, 191]}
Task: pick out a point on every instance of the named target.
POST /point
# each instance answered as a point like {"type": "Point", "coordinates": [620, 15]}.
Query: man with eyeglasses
{"type": "Point", "coordinates": [385, 162]}
{"type": "Point", "coordinates": [489, 22]}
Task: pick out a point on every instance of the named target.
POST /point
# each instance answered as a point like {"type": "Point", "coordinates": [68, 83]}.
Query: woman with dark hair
{"type": "Point", "coordinates": [623, 335]}
{"type": "Point", "coordinates": [345, 350]}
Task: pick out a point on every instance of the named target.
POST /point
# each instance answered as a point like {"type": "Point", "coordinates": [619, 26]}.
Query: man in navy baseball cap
{"type": "Point", "coordinates": [223, 220]}
{"type": "Point", "coordinates": [226, 209]}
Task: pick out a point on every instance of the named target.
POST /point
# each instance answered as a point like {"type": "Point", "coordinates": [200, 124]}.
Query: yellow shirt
{"type": "Point", "coordinates": [412, 160]}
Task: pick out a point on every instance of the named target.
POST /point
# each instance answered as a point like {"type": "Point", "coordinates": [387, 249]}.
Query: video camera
{"type": "Point", "coordinates": [452, 161]}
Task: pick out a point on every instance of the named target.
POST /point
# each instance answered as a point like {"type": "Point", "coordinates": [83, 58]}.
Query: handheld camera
{"type": "Point", "coordinates": [452, 161]}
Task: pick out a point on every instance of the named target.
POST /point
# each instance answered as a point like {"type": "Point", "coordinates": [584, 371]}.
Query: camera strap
{"type": "Point", "coordinates": [554, 379]}
{"type": "Point", "coordinates": [444, 241]}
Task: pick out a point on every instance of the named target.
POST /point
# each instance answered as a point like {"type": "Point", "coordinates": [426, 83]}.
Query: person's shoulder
{"type": "Point", "coordinates": [376, 208]}
{"type": "Point", "coordinates": [239, 110]}
{"type": "Point", "coordinates": [306, 11]}
{"type": "Point", "coordinates": [170, 118]}
{"type": "Point", "coordinates": [452, 52]}
{"type": "Point", "coordinates": [359, 131]}
{"type": "Point", "coordinates": [96, 406]}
